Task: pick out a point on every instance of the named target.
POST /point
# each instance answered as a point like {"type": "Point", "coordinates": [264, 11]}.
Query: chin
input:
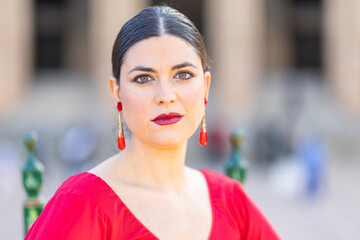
{"type": "Point", "coordinates": [166, 139]}
{"type": "Point", "coordinates": [169, 141]}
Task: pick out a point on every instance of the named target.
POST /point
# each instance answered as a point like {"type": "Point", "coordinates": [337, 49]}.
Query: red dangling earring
{"type": "Point", "coordinates": [203, 133]}
{"type": "Point", "coordinates": [121, 138]}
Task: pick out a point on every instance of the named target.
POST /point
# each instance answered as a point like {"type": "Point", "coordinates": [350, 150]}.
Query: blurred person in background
{"type": "Point", "coordinates": [160, 84]}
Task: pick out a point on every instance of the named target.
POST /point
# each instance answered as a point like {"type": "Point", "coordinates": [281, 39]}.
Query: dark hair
{"type": "Point", "coordinates": [156, 21]}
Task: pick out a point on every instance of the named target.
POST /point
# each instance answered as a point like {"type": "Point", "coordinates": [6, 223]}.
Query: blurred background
{"type": "Point", "coordinates": [285, 72]}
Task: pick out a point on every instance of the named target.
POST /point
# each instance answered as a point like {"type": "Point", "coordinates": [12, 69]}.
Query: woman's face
{"type": "Point", "coordinates": [162, 75]}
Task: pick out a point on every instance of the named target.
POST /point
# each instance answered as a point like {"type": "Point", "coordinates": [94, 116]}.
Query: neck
{"type": "Point", "coordinates": [154, 167]}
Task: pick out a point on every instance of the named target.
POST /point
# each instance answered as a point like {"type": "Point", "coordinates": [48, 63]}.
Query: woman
{"type": "Point", "coordinates": [160, 84]}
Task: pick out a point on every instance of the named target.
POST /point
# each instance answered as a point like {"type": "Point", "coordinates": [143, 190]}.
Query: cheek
{"type": "Point", "coordinates": [135, 104]}
{"type": "Point", "coordinates": [193, 100]}
{"type": "Point", "coordinates": [195, 93]}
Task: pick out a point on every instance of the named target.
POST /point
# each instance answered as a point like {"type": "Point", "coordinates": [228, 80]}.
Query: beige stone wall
{"type": "Point", "coordinates": [278, 44]}
{"type": "Point", "coordinates": [107, 18]}
{"type": "Point", "coordinates": [235, 36]}
{"type": "Point", "coordinates": [15, 52]}
{"type": "Point", "coordinates": [342, 50]}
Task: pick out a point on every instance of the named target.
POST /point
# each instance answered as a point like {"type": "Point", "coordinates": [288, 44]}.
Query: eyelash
{"type": "Point", "coordinates": [140, 76]}
{"type": "Point", "coordinates": [136, 79]}
{"type": "Point", "coordinates": [186, 72]}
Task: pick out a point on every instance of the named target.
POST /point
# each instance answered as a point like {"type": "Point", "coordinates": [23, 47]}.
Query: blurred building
{"type": "Point", "coordinates": [55, 64]}
{"type": "Point", "coordinates": [248, 40]}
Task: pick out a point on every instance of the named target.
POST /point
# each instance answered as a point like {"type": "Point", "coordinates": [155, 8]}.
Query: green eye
{"type": "Point", "coordinates": [142, 79]}
{"type": "Point", "coordinates": [184, 75]}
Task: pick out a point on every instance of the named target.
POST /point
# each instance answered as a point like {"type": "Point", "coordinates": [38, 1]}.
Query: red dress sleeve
{"type": "Point", "coordinates": [235, 215]}
{"type": "Point", "coordinates": [70, 214]}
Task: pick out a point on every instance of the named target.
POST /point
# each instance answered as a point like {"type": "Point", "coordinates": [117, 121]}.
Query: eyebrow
{"type": "Point", "coordinates": [147, 69]}
{"type": "Point", "coordinates": [141, 68]}
{"type": "Point", "coordinates": [182, 65]}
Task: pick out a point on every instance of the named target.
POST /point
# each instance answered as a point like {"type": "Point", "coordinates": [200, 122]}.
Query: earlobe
{"type": "Point", "coordinates": [207, 81]}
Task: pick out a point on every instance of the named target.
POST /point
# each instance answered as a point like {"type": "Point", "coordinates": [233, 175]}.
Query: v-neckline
{"type": "Point", "coordinates": [147, 229]}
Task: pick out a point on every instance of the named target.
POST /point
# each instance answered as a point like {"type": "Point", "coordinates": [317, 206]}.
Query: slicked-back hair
{"type": "Point", "coordinates": [156, 21]}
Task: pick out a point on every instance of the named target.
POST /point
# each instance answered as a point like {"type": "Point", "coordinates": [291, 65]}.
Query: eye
{"type": "Point", "coordinates": [142, 79]}
{"type": "Point", "coordinates": [184, 75]}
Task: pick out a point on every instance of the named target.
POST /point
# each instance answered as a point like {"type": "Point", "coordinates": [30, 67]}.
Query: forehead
{"type": "Point", "coordinates": [166, 50]}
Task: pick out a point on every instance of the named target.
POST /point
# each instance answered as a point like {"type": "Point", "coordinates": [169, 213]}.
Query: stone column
{"type": "Point", "coordinates": [15, 51]}
{"type": "Point", "coordinates": [107, 18]}
{"type": "Point", "coordinates": [235, 31]}
{"type": "Point", "coordinates": [342, 50]}
{"type": "Point", "coordinates": [279, 45]}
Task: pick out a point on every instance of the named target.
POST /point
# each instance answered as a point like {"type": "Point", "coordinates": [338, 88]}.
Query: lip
{"type": "Point", "coordinates": [167, 119]}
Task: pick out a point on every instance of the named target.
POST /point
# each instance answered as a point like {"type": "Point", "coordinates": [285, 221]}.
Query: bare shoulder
{"type": "Point", "coordinates": [106, 168]}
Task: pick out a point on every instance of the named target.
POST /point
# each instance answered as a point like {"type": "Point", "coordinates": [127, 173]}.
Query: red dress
{"type": "Point", "coordinates": [85, 207]}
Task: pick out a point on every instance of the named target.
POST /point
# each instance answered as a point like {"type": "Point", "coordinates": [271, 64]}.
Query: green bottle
{"type": "Point", "coordinates": [236, 166]}
{"type": "Point", "coordinates": [32, 181]}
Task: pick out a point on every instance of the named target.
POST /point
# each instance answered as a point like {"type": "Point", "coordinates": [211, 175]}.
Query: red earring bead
{"type": "Point", "coordinates": [121, 142]}
{"type": "Point", "coordinates": [119, 106]}
{"type": "Point", "coordinates": [205, 101]}
{"type": "Point", "coordinates": [203, 133]}
{"type": "Point", "coordinates": [203, 137]}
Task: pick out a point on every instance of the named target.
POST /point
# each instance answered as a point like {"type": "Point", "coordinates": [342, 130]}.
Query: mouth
{"type": "Point", "coordinates": [167, 119]}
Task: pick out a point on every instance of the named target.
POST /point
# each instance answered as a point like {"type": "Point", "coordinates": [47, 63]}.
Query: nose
{"type": "Point", "coordinates": [165, 93]}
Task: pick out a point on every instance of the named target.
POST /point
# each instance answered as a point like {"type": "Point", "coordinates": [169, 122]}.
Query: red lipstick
{"type": "Point", "coordinates": [166, 119]}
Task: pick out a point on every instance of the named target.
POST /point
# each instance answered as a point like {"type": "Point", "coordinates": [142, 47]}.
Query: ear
{"type": "Point", "coordinates": [114, 88]}
{"type": "Point", "coordinates": [207, 82]}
